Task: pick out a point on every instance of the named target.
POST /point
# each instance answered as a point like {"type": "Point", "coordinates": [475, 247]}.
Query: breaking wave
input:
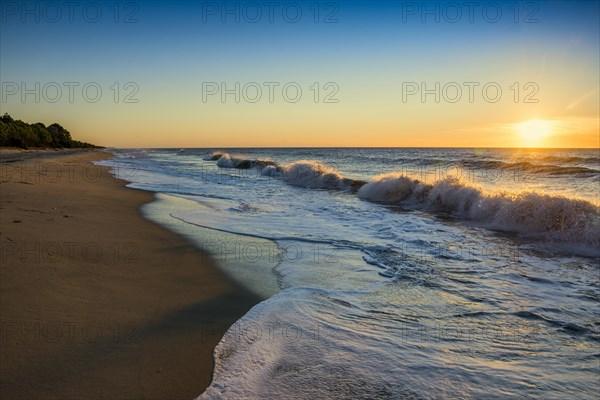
{"type": "Point", "coordinates": [224, 160]}
{"type": "Point", "coordinates": [316, 175]}
{"type": "Point", "coordinates": [554, 218]}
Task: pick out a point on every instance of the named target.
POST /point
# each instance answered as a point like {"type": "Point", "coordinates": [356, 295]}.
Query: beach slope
{"type": "Point", "coordinates": [95, 301]}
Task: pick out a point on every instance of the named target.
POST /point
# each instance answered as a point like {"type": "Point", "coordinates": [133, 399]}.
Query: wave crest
{"type": "Point", "coordinates": [313, 174]}
{"type": "Point", "coordinates": [555, 218]}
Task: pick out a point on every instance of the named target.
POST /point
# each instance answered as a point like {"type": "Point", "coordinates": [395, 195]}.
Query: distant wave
{"type": "Point", "coordinates": [304, 167]}
{"type": "Point", "coordinates": [528, 167]}
{"type": "Point", "coordinates": [531, 214]}
{"type": "Point", "coordinates": [572, 159]}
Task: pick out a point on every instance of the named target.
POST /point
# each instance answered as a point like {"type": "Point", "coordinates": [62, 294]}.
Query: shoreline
{"type": "Point", "coordinates": [97, 301]}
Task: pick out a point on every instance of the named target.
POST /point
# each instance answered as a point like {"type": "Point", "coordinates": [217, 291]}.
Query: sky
{"type": "Point", "coordinates": [306, 74]}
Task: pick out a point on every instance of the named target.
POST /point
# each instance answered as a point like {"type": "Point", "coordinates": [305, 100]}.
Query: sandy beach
{"type": "Point", "coordinates": [96, 301]}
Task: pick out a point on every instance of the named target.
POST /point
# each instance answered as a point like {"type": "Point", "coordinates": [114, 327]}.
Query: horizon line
{"type": "Point", "coordinates": [361, 147]}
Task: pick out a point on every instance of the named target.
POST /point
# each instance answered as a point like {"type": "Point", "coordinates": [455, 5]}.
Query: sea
{"type": "Point", "coordinates": [393, 273]}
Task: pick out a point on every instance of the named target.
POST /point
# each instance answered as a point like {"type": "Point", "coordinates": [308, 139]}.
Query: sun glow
{"type": "Point", "coordinates": [534, 132]}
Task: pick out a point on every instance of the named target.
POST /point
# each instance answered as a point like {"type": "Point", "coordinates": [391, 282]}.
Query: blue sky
{"type": "Point", "coordinates": [168, 49]}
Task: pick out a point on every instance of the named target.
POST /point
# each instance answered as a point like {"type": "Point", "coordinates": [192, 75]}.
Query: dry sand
{"type": "Point", "coordinates": [95, 301]}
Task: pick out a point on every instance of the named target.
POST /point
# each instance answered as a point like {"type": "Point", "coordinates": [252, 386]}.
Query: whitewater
{"type": "Point", "coordinates": [394, 273]}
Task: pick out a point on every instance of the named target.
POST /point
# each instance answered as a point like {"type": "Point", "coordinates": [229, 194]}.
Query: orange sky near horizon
{"type": "Point", "coordinates": [371, 79]}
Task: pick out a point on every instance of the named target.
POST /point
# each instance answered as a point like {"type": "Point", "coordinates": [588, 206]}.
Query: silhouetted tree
{"type": "Point", "coordinates": [21, 134]}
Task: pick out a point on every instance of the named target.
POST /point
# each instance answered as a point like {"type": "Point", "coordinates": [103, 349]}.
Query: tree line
{"type": "Point", "coordinates": [16, 133]}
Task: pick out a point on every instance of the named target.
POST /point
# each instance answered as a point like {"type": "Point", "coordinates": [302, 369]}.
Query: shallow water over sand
{"type": "Point", "coordinates": [391, 288]}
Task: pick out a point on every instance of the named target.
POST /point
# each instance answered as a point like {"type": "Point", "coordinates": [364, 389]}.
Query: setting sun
{"type": "Point", "coordinates": [534, 132]}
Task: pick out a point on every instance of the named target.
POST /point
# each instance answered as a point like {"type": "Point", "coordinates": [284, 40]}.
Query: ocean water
{"type": "Point", "coordinates": [394, 273]}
